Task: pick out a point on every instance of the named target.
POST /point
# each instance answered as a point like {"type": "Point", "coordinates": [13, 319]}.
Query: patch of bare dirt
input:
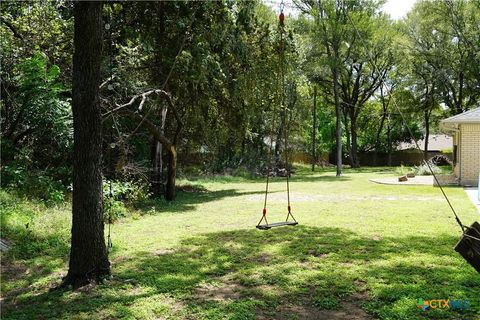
{"type": "Point", "coordinates": [261, 258]}
{"type": "Point", "coordinates": [224, 289]}
{"type": "Point", "coordinates": [163, 251]}
{"type": "Point", "coordinates": [317, 254]}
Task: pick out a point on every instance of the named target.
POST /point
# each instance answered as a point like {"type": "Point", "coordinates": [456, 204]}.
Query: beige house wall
{"type": "Point", "coordinates": [456, 142]}
{"type": "Point", "coordinates": [469, 152]}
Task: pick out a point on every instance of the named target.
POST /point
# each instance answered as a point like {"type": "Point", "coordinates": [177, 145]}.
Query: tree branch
{"type": "Point", "coordinates": [11, 27]}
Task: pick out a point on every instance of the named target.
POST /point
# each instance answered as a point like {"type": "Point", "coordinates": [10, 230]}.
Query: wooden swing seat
{"type": "Point", "coordinates": [276, 224]}
{"type": "Point", "coordinates": [470, 248]}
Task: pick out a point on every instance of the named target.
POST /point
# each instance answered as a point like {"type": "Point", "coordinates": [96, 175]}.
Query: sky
{"type": "Point", "coordinates": [397, 9]}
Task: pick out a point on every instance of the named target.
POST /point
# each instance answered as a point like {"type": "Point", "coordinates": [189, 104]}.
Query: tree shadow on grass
{"type": "Point", "coordinates": [187, 201]}
{"type": "Point", "coordinates": [247, 274]}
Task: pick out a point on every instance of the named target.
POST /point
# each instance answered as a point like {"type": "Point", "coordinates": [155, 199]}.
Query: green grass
{"type": "Point", "coordinates": [358, 244]}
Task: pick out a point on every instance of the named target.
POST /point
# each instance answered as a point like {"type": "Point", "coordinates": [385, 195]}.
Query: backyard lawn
{"type": "Point", "coordinates": [361, 251]}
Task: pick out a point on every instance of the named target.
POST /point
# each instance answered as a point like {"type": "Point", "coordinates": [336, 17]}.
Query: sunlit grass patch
{"type": "Point", "coordinates": [358, 244]}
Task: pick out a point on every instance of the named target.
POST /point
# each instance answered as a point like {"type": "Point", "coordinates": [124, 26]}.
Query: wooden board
{"type": "Point", "coordinates": [276, 224]}
{"type": "Point", "coordinates": [470, 248]}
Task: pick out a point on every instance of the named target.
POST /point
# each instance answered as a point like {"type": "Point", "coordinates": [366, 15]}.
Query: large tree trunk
{"type": "Point", "coordinates": [88, 253]}
{"type": "Point", "coordinates": [171, 173]}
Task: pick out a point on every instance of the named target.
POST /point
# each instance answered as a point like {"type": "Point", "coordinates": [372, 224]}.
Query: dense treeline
{"type": "Point", "coordinates": [194, 87]}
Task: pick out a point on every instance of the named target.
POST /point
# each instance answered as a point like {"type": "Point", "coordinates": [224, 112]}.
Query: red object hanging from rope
{"type": "Point", "coordinates": [281, 17]}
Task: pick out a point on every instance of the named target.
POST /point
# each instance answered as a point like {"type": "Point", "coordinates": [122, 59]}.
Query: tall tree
{"type": "Point", "coordinates": [88, 253]}
{"type": "Point", "coordinates": [330, 21]}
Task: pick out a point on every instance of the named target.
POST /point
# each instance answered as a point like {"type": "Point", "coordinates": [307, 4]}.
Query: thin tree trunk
{"type": "Point", "coordinates": [347, 136]}
{"type": "Point", "coordinates": [157, 158]}
{"type": "Point", "coordinates": [157, 164]}
{"type": "Point", "coordinates": [382, 123]}
{"type": "Point", "coordinates": [314, 129]}
{"type": "Point", "coordinates": [427, 111]}
{"type": "Point", "coordinates": [389, 142]}
{"type": "Point", "coordinates": [88, 253]}
{"type": "Point", "coordinates": [338, 113]}
{"type": "Point", "coordinates": [171, 173]}
{"type": "Point", "coordinates": [354, 149]}
{"type": "Point", "coordinates": [460, 93]}
{"type": "Point", "coordinates": [427, 133]}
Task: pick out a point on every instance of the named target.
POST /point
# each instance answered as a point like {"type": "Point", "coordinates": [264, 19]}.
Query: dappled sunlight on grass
{"type": "Point", "coordinates": [202, 258]}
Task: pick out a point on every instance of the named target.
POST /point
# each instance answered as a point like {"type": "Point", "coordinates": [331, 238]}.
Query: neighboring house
{"type": "Point", "coordinates": [436, 143]}
{"type": "Point", "coordinates": [466, 145]}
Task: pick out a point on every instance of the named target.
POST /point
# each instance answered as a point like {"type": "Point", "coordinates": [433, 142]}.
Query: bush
{"type": "Point", "coordinates": [34, 184]}
{"type": "Point", "coordinates": [124, 193]}
{"type": "Point", "coordinates": [424, 170]}
{"type": "Point", "coordinates": [402, 170]}
{"type": "Point", "coordinates": [130, 192]}
{"type": "Point", "coordinates": [113, 209]}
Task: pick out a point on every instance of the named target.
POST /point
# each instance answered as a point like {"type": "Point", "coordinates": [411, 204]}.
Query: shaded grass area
{"type": "Point", "coordinates": [201, 258]}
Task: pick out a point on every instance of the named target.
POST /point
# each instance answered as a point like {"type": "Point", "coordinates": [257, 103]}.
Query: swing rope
{"type": "Point", "coordinates": [463, 227]}
{"type": "Point", "coordinates": [281, 97]}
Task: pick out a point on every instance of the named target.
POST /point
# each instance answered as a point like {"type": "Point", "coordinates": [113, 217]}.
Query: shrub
{"type": "Point", "coordinates": [402, 170]}
{"type": "Point", "coordinates": [34, 184]}
{"type": "Point", "coordinates": [424, 170]}
{"type": "Point", "coordinates": [124, 193]}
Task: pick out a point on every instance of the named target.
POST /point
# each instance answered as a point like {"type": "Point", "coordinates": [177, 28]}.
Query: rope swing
{"type": "Point", "coordinates": [287, 222]}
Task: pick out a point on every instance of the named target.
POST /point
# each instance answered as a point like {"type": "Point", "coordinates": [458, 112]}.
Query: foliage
{"type": "Point", "coordinates": [426, 169]}
{"type": "Point", "coordinates": [118, 195]}
{"type": "Point", "coordinates": [43, 185]}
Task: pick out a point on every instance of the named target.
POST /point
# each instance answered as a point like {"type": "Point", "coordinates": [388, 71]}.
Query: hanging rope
{"type": "Point", "coordinates": [282, 101]}
{"type": "Point", "coordinates": [281, 98]}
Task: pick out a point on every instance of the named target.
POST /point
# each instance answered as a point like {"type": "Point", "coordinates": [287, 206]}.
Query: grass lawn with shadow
{"type": "Point", "coordinates": [361, 251]}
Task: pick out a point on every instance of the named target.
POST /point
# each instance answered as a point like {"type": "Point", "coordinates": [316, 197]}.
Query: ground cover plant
{"type": "Point", "coordinates": [361, 249]}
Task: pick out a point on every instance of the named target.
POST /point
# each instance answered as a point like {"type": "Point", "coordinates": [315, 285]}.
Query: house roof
{"type": "Point", "coordinates": [436, 142]}
{"type": "Point", "coordinates": [471, 116]}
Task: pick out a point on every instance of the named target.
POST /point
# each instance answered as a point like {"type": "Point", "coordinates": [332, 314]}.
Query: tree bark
{"type": "Point", "coordinates": [338, 113]}
{"type": "Point", "coordinates": [314, 129]}
{"type": "Point", "coordinates": [171, 173]}
{"type": "Point", "coordinates": [355, 162]}
{"type": "Point", "coordinates": [88, 253]}
{"type": "Point", "coordinates": [157, 166]}
{"type": "Point", "coordinates": [157, 158]}
{"type": "Point", "coordinates": [348, 144]}
{"type": "Point", "coordinates": [389, 143]}
{"type": "Point", "coordinates": [427, 133]}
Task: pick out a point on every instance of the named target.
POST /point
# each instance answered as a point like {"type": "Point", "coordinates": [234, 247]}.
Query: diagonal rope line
{"type": "Point", "coordinates": [385, 85]}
